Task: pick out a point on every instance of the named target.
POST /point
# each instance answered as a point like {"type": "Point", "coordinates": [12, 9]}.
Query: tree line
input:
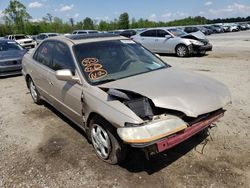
{"type": "Point", "coordinates": [17, 20]}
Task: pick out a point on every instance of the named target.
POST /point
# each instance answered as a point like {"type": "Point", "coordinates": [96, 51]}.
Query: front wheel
{"type": "Point", "coordinates": [202, 53]}
{"type": "Point", "coordinates": [182, 50]}
{"type": "Point", "coordinates": [105, 141]}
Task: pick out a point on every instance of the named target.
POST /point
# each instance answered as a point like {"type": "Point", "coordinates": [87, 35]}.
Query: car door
{"type": "Point", "coordinates": [41, 64]}
{"type": "Point", "coordinates": [67, 94]}
{"type": "Point", "coordinates": [163, 41]}
{"type": "Point", "coordinates": [148, 39]}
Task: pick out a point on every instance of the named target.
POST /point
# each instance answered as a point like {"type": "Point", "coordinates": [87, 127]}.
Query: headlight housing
{"type": "Point", "coordinates": [196, 42]}
{"type": "Point", "coordinates": [151, 131]}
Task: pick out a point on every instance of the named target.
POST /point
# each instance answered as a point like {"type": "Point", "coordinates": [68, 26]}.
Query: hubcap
{"type": "Point", "coordinates": [100, 141]}
{"type": "Point", "coordinates": [33, 91]}
{"type": "Point", "coordinates": [181, 51]}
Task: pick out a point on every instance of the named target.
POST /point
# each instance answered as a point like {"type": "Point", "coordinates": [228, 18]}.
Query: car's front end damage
{"type": "Point", "coordinates": [166, 132]}
{"type": "Point", "coordinates": [199, 43]}
{"type": "Point", "coordinates": [170, 113]}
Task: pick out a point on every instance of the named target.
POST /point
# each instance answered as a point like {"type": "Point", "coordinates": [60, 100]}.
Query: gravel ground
{"type": "Point", "coordinates": [41, 148]}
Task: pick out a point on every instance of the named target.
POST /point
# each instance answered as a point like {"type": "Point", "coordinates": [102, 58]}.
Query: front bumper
{"type": "Point", "coordinates": [207, 47]}
{"type": "Point", "coordinates": [10, 70]}
{"type": "Point", "coordinates": [175, 139]}
{"type": "Point", "coordinates": [28, 45]}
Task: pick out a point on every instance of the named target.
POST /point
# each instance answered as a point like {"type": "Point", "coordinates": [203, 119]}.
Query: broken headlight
{"type": "Point", "coordinates": [151, 131]}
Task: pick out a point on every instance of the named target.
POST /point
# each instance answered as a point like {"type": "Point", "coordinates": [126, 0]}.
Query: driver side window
{"type": "Point", "coordinates": [161, 33]}
{"type": "Point", "coordinates": [62, 58]}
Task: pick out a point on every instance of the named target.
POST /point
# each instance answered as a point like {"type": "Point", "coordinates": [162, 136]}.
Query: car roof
{"type": "Point", "coordinates": [47, 33]}
{"type": "Point", "coordinates": [83, 30]}
{"type": "Point", "coordinates": [79, 39]}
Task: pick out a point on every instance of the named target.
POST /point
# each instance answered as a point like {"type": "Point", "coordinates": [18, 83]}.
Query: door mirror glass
{"type": "Point", "coordinates": [167, 36]}
{"type": "Point", "coordinates": [65, 75]}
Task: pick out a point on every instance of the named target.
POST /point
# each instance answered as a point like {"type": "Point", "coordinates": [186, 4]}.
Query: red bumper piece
{"type": "Point", "coordinates": [187, 133]}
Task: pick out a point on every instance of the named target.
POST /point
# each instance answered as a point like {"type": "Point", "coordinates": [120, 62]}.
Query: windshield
{"type": "Point", "coordinates": [111, 60]}
{"type": "Point", "coordinates": [17, 37]}
{"type": "Point", "coordinates": [177, 32]}
{"type": "Point", "coordinates": [6, 46]}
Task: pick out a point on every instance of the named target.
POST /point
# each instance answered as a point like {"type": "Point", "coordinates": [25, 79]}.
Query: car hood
{"type": "Point", "coordinates": [171, 88]}
{"type": "Point", "coordinates": [12, 54]}
{"type": "Point", "coordinates": [196, 36]}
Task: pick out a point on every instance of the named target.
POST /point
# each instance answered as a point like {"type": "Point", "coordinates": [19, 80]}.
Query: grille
{"type": "Point", "coordinates": [27, 42]}
{"type": "Point", "coordinates": [15, 62]}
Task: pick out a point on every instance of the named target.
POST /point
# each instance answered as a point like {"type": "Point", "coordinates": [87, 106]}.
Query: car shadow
{"type": "Point", "coordinates": [65, 119]}
{"type": "Point", "coordinates": [10, 76]}
{"type": "Point", "coordinates": [136, 160]}
{"type": "Point", "coordinates": [174, 55]}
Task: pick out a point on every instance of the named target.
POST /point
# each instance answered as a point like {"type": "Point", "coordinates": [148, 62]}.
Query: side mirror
{"type": "Point", "coordinates": [167, 36]}
{"type": "Point", "coordinates": [66, 75]}
{"type": "Point", "coordinates": [158, 55]}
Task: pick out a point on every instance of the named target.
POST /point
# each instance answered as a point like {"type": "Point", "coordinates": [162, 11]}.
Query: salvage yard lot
{"type": "Point", "coordinates": [41, 148]}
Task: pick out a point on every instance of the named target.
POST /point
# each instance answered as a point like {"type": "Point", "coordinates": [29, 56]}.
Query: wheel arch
{"type": "Point", "coordinates": [27, 77]}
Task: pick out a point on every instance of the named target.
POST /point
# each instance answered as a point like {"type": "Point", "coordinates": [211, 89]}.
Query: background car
{"type": "Point", "coordinates": [121, 94]}
{"type": "Point", "coordinates": [40, 37]}
{"type": "Point", "coordinates": [128, 33]}
{"type": "Point", "coordinates": [84, 32]}
{"type": "Point", "coordinates": [23, 40]}
{"type": "Point", "coordinates": [173, 41]}
{"type": "Point", "coordinates": [11, 54]}
{"type": "Point", "coordinates": [213, 29]}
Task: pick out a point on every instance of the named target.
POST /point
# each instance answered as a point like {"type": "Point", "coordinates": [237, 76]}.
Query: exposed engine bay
{"type": "Point", "coordinates": [145, 108]}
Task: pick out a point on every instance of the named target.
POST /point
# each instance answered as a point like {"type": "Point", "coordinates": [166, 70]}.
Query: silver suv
{"type": "Point", "coordinates": [121, 94]}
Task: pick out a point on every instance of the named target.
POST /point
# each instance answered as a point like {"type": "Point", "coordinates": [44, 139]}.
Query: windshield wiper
{"type": "Point", "coordinates": [105, 81]}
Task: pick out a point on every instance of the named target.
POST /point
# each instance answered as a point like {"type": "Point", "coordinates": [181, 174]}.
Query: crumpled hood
{"type": "Point", "coordinates": [196, 36]}
{"type": "Point", "coordinates": [171, 88]}
{"type": "Point", "coordinates": [12, 54]}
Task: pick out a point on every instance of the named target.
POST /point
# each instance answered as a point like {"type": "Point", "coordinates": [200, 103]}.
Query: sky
{"type": "Point", "coordinates": [154, 10]}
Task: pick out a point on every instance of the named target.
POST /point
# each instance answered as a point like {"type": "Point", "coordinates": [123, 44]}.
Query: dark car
{"type": "Point", "coordinates": [213, 29]}
{"type": "Point", "coordinates": [11, 54]}
{"type": "Point", "coordinates": [190, 29]}
{"type": "Point", "coordinates": [219, 28]}
{"type": "Point", "coordinates": [128, 33]}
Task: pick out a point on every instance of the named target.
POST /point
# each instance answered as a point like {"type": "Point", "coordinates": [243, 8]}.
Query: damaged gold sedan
{"type": "Point", "coordinates": [121, 94]}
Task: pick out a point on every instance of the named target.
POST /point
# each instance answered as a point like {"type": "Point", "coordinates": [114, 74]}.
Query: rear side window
{"type": "Point", "coordinates": [44, 53]}
{"type": "Point", "coordinates": [62, 58]}
{"type": "Point", "coordinates": [150, 33]}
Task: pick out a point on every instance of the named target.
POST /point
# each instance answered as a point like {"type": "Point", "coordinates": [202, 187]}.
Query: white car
{"type": "Point", "coordinates": [173, 41]}
{"type": "Point", "coordinates": [23, 40]}
{"type": "Point", "coordinates": [84, 32]}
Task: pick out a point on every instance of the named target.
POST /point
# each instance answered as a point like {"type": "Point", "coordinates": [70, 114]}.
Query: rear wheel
{"type": "Point", "coordinates": [182, 50]}
{"type": "Point", "coordinates": [34, 93]}
{"type": "Point", "coordinates": [105, 141]}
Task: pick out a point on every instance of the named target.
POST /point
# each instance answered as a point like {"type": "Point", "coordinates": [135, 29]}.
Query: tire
{"type": "Point", "coordinates": [106, 143]}
{"type": "Point", "coordinates": [182, 50]}
{"type": "Point", "coordinates": [202, 53]}
{"type": "Point", "coordinates": [33, 92]}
